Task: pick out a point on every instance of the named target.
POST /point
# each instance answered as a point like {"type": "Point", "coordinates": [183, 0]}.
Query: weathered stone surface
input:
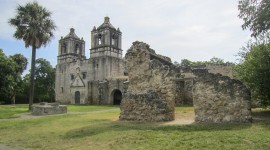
{"type": "Point", "coordinates": [220, 99]}
{"type": "Point", "coordinates": [48, 109]}
{"type": "Point", "coordinates": [148, 106]}
{"type": "Point", "coordinates": [151, 91]}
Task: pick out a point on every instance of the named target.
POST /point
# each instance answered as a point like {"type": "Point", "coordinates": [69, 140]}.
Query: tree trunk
{"type": "Point", "coordinates": [33, 65]}
{"type": "Point", "coordinates": [13, 98]}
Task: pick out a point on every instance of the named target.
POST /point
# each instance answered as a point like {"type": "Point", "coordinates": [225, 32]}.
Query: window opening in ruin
{"type": "Point", "coordinates": [62, 90]}
{"type": "Point", "coordinates": [117, 97]}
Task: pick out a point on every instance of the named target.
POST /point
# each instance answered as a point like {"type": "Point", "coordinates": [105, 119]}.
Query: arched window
{"type": "Point", "coordinates": [63, 48]}
{"type": "Point", "coordinates": [77, 49]}
{"type": "Point", "coordinates": [114, 40]}
{"type": "Point", "coordinates": [99, 39]}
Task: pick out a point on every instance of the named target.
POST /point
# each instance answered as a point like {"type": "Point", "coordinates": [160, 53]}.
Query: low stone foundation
{"type": "Point", "coordinates": [48, 109]}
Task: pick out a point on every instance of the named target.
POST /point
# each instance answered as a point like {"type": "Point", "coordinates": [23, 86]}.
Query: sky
{"type": "Point", "coordinates": [180, 29]}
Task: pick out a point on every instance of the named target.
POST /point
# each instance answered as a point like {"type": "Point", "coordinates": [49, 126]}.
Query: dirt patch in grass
{"type": "Point", "coordinates": [183, 116]}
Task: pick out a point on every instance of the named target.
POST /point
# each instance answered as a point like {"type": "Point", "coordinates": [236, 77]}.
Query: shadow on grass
{"type": "Point", "coordinates": [108, 126]}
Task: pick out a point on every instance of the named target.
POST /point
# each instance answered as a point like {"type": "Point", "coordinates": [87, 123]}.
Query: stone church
{"type": "Point", "coordinates": [97, 80]}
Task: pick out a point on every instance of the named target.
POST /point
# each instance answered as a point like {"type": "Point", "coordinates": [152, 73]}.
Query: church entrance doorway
{"type": "Point", "coordinates": [117, 97]}
{"type": "Point", "coordinates": [77, 97]}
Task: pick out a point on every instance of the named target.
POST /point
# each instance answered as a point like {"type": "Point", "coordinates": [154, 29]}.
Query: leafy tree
{"type": "Point", "coordinates": [11, 69]}
{"type": "Point", "coordinates": [45, 79]}
{"type": "Point", "coordinates": [255, 72]}
{"type": "Point", "coordinates": [23, 93]}
{"type": "Point", "coordinates": [21, 64]}
{"type": "Point", "coordinates": [7, 82]}
{"type": "Point", "coordinates": [34, 26]}
{"type": "Point", "coordinates": [216, 61]}
{"type": "Point", "coordinates": [186, 62]}
{"type": "Point", "coordinates": [176, 63]}
{"type": "Point", "coordinates": [212, 61]}
{"type": "Point", "coordinates": [256, 16]}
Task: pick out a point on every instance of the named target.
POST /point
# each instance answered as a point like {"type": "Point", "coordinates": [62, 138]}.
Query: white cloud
{"type": "Point", "coordinates": [192, 29]}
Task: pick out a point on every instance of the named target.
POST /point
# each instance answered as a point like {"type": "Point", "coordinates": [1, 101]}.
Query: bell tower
{"type": "Point", "coordinates": [106, 51]}
{"type": "Point", "coordinates": [106, 40]}
{"type": "Point", "coordinates": [70, 48]}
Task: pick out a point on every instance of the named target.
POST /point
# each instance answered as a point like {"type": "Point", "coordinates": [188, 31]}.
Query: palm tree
{"type": "Point", "coordinates": [34, 26]}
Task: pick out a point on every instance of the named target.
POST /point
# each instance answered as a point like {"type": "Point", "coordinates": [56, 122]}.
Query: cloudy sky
{"type": "Point", "coordinates": [192, 29]}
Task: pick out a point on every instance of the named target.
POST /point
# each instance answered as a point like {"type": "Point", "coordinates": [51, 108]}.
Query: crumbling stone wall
{"type": "Point", "coordinates": [151, 91]}
{"type": "Point", "coordinates": [219, 99]}
{"type": "Point", "coordinates": [225, 70]}
{"type": "Point", "coordinates": [155, 86]}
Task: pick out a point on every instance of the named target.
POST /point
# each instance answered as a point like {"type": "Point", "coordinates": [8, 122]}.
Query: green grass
{"type": "Point", "coordinates": [10, 111]}
{"type": "Point", "coordinates": [97, 127]}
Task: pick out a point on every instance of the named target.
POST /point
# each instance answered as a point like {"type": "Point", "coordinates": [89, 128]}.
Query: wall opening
{"type": "Point", "coordinates": [77, 97]}
{"type": "Point", "coordinates": [117, 97]}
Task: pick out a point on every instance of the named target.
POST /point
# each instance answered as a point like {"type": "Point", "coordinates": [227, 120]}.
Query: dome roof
{"type": "Point", "coordinates": [72, 34]}
{"type": "Point", "coordinates": [106, 24]}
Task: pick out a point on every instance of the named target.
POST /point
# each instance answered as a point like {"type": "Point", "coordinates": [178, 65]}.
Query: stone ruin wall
{"type": "Point", "coordinates": [155, 86]}
{"type": "Point", "coordinates": [225, 70]}
{"type": "Point", "coordinates": [219, 99]}
{"type": "Point", "coordinates": [151, 92]}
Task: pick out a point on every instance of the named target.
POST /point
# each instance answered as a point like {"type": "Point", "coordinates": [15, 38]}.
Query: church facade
{"type": "Point", "coordinates": [97, 80]}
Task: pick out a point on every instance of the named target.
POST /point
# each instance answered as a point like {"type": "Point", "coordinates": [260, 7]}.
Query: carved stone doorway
{"type": "Point", "coordinates": [77, 97]}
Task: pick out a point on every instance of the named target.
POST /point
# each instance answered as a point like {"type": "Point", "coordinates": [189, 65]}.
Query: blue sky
{"type": "Point", "coordinates": [181, 29]}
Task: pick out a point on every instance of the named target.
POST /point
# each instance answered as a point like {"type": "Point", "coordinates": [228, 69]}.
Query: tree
{"type": "Point", "coordinates": [216, 61]}
{"type": "Point", "coordinates": [256, 16]}
{"type": "Point", "coordinates": [34, 26]}
{"type": "Point", "coordinates": [11, 69]}
{"type": "Point", "coordinates": [21, 64]}
{"type": "Point", "coordinates": [176, 63]}
{"type": "Point", "coordinates": [254, 71]}
{"type": "Point", "coordinates": [7, 69]}
{"type": "Point", "coordinates": [45, 79]}
{"type": "Point", "coordinates": [186, 62]}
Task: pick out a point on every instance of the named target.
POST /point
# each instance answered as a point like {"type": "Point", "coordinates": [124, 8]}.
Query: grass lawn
{"type": "Point", "coordinates": [10, 111]}
{"type": "Point", "coordinates": [97, 128]}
